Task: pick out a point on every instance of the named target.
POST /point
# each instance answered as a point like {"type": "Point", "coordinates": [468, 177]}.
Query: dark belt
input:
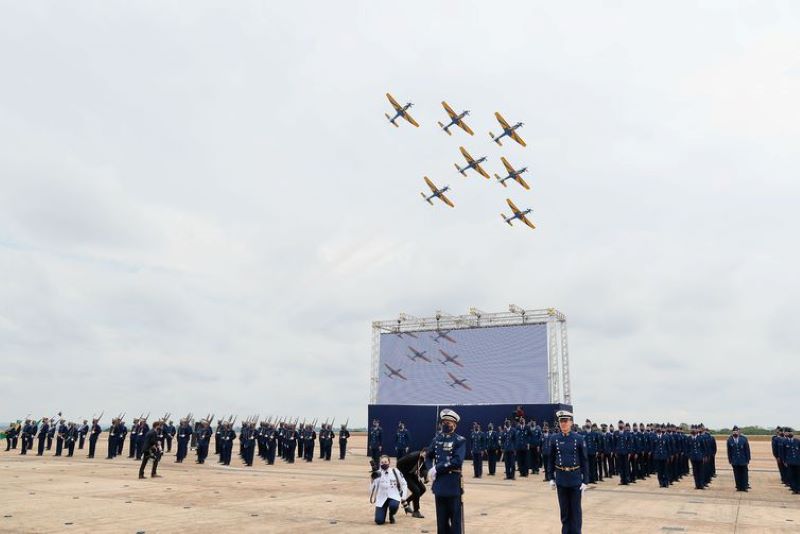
{"type": "Point", "coordinates": [575, 468]}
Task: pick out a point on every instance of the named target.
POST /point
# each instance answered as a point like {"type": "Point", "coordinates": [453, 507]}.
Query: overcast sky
{"type": "Point", "coordinates": [202, 206]}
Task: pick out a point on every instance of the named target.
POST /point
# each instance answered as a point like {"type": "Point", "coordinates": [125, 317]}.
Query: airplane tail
{"type": "Point", "coordinates": [447, 131]}
{"type": "Point", "coordinates": [507, 220]}
{"type": "Point", "coordinates": [495, 139]}
{"type": "Point", "coordinates": [497, 177]}
{"type": "Point", "coordinates": [424, 196]}
{"type": "Point", "coordinates": [391, 120]}
{"type": "Point", "coordinates": [459, 169]}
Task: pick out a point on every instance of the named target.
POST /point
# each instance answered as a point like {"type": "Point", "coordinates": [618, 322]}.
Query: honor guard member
{"type": "Point", "coordinates": [344, 435]}
{"type": "Point", "coordinates": [535, 450]}
{"type": "Point", "coordinates": [132, 440]}
{"type": "Point", "coordinates": [112, 439]}
{"type": "Point", "coordinates": [791, 459]}
{"type": "Point", "coordinates": [151, 449]}
{"type": "Point", "coordinates": [622, 442]}
{"type": "Point", "coordinates": [478, 447]}
{"type": "Point", "coordinates": [272, 443]}
{"type": "Point", "coordinates": [11, 435]}
{"type": "Point", "coordinates": [777, 445]}
{"type": "Point", "coordinates": [169, 432]}
{"type": "Point", "coordinates": [309, 440]}
{"type": "Point", "coordinates": [144, 428]}
{"type": "Point", "coordinates": [326, 442]}
{"type": "Point", "coordinates": [492, 448]}
{"type": "Point", "coordinates": [218, 437]}
{"type": "Point", "coordinates": [444, 459]}
{"type": "Point", "coordinates": [662, 452]}
{"type": "Point", "coordinates": [546, 435]}
{"type": "Point", "coordinates": [698, 456]}
{"type": "Point", "coordinates": [301, 440]}
{"type": "Point", "coordinates": [289, 442]}
{"type": "Point", "coordinates": [61, 435]}
{"type": "Point", "coordinates": [204, 434]}
{"type": "Point", "coordinates": [184, 436]}
{"type": "Point", "coordinates": [122, 429]}
{"type": "Point", "coordinates": [569, 469]}
{"type": "Point", "coordinates": [402, 440]}
{"type": "Point", "coordinates": [227, 435]}
{"type": "Point", "coordinates": [82, 431]}
{"type": "Point", "coordinates": [739, 458]}
{"type": "Point", "coordinates": [71, 438]}
{"type": "Point", "coordinates": [26, 427]}
{"type": "Point", "coordinates": [42, 437]}
{"type": "Point", "coordinates": [94, 432]}
{"type": "Point", "coordinates": [522, 447]}
{"type": "Point", "coordinates": [508, 440]}
{"type": "Point", "coordinates": [375, 440]}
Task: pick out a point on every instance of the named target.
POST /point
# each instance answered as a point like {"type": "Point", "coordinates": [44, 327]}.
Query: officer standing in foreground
{"type": "Point", "coordinates": [151, 449]}
{"type": "Point", "coordinates": [569, 469]}
{"type": "Point", "coordinates": [444, 459]}
{"type": "Point", "coordinates": [739, 457]}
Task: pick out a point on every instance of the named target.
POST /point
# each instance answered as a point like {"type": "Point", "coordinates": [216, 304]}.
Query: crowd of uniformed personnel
{"type": "Point", "coordinates": [269, 439]}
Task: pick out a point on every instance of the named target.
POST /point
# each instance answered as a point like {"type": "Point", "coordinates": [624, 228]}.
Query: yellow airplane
{"type": "Point", "coordinates": [472, 164]}
{"type": "Point", "coordinates": [455, 119]}
{"type": "Point", "coordinates": [400, 111]}
{"type": "Point", "coordinates": [518, 214]}
{"type": "Point", "coordinates": [512, 175]}
{"type": "Point", "coordinates": [509, 131]}
{"type": "Point", "coordinates": [437, 193]}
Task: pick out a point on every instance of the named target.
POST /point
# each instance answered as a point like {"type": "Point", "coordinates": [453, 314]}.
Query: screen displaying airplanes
{"type": "Point", "coordinates": [496, 365]}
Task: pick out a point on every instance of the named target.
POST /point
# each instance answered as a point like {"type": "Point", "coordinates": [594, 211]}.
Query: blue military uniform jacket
{"type": "Point", "coordinates": [477, 441]}
{"type": "Point", "coordinates": [698, 448]}
{"type": "Point", "coordinates": [375, 437]}
{"type": "Point", "coordinates": [568, 460]}
{"type": "Point", "coordinates": [791, 451]}
{"type": "Point", "coordinates": [446, 452]}
{"type": "Point", "coordinates": [662, 447]}
{"type": "Point", "coordinates": [508, 439]}
{"type": "Point", "coordinates": [738, 450]}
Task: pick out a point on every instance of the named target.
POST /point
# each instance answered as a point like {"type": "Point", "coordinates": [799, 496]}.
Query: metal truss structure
{"type": "Point", "coordinates": [557, 351]}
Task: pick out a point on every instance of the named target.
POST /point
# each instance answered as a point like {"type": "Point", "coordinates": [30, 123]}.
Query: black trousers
{"type": "Point", "coordinates": [794, 477]}
{"type": "Point", "coordinates": [569, 502]}
{"type": "Point", "coordinates": [342, 448]}
{"type": "Point", "coordinates": [624, 468]}
{"type": "Point", "coordinates": [697, 472]}
{"type": "Point", "coordinates": [92, 445]}
{"type": "Point", "coordinates": [145, 458]}
{"type": "Point", "coordinates": [741, 476]}
{"type": "Point", "coordinates": [40, 451]}
{"type": "Point", "coordinates": [491, 458]}
{"type": "Point", "coordinates": [416, 488]}
{"type": "Point", "coordinates": [663, 477]}
{"type": "Point", "coordinates": [508, 457]}
{"type": "Point", "coordinates": [449, 515]}
{"type": "Point", "coordinates": [592, 468]}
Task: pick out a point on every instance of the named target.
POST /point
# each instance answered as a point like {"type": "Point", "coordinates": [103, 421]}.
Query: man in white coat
{"type": "Point", "coordinates": [388, 488]}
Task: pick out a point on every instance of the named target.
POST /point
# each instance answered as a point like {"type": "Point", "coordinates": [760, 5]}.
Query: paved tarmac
{"type": "Point", "coordinates": [48, 494]}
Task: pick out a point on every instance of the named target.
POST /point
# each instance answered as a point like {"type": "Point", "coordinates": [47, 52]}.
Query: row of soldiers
{"type": "Point", "coordinates": [631, 451]}
{"type": "Point", "coordinates": [45, 431]}
{"type": "Point", "coordinates": [786, 451]}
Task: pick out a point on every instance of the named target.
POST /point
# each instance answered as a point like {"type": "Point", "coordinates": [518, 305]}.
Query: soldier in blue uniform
{"type": "Point", "coordinates": [94, 432]}
{"type": "Point", "coordinates": [326, 437]}
{"type": "Point", "coordinates": [535, 447]}
{"type": "Point", "coordinates": [204, 434]}
{"type": "Point", "coordinates": [82, 431]}
{"type": "Point", "coordinates": [42, 437]}
{"type": "Point", "coordinates": [375, 441]}
{"type": "Point", "coordinates": [61, 434]}
{"type": "Point", "coordinates": [590, 436]}
{"type": "Point", "coordinates": [791, 459]}
{"type": "Point", "coordinates": [184, 437]}
{"type": "Point", "coordinates": [777, 445]}
{"type": "Point", "coordinates": [662, 452]}
{"type": "Point", "coordinates": [169, 433]}
{"type": "Point", "coordinates": [621, 452]}
{"type": "Point", "coordinates": [546, 435]}
{"type": "Point", "coordinates": [492, 448]}
{"type": "Point", "coordinates": [344, 435]}
{"type": "Point", "coordinates": [523, 436]}
{"type": "Point", "coordinates": [122, 429]}
{"type": "Point", "coordinates": [569, 471]}
{"type": "Point", "coordinates": [289, 442]}
{"type": "Point", "coordinates": [508, 441]}
{"type": "Point", "coordinates": [444, 460]}
{"type": "Point", "coordinates": [134, 435]}
{"type": "Point", "coordinates": [272, 443]}
{"type": "Point", "coordinates": [711, 445]}
{"type": "Point", "coordinates": [739, 458]}
{"type": "Point", "coordinates": [478, 448]}
{"type": "Point", "coordinates": [402, 440]}
{"type": "Point", "coordinates": [698, 455]}
{"type": "Point", "coordinates": [71, 437]}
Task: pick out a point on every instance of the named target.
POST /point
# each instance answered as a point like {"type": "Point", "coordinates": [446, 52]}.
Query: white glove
{"type": "Point", "coordinates": [583, 487]}
{"type": "Point", "coordinates": [552, 484]}
{"type": "Point", "coordinates": [432, 474]}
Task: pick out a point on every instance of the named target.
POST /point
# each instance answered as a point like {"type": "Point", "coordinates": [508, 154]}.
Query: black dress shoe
{"type": "Point", "coordinates": [418, 515]}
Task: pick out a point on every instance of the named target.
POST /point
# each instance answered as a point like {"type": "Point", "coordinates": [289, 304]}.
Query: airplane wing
{"type": "Point", "coordinates": [452, 376]}
{"type": "Point", "coordinates": [511, 205]}
{"type": "Point", "coordinates": [463, 126]}
{"type": "Point", "coordinates": [410, 119]}
{"type": "Point", "coordinates": [506, 164]}
{"type": "Point", "coordinates": [528, 222]}
{"type": "Point", "coordinates": [401, 376]}
{"type": "Point", "coordinates": [466, 387]}
{"type": "Point", "coordinates": [517, 138]}
{"type": "Point", "coordinates": [483, 172]}
{"type": "Point", "coordinates": [430, 184]}
{"type": "Point", "coordinates": [449, 110]}
{"type": "Point", "coordinates": [447, 201]}
{"type": "Point", "coordinates": [521, 182]}
{"type": "Point", "coordinates": [500, 119]}
{"type": "Point", "coordinates": [466, 154]}
{"type": "Point", "coordinates": [393, 102]}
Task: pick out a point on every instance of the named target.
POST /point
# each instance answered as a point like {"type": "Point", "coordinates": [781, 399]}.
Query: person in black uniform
{"type": "Point", "coordinates": [151, 449]}
{"type": "Point", "coordinates": [413, 468]}
{"type": "Point", "coordinates": [444, 460]}
{"type": "Point", "coordinates": [42, 436]}
{"type": "Point", "coordinates": [344, 435]}
{"type": "Point", "coordinates": [94, 432]}
{"type": "Point", "coordinates": [568, 466]}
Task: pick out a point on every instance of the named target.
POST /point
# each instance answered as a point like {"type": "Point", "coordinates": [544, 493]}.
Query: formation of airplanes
{"type": "Point", "coordinates": [416, 355]}
{"type": "Point", "coordinates": [474, 164]}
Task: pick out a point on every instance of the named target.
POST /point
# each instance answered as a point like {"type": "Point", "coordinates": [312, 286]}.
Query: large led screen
{"type": "Point", "coordinates": [496, 365]}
